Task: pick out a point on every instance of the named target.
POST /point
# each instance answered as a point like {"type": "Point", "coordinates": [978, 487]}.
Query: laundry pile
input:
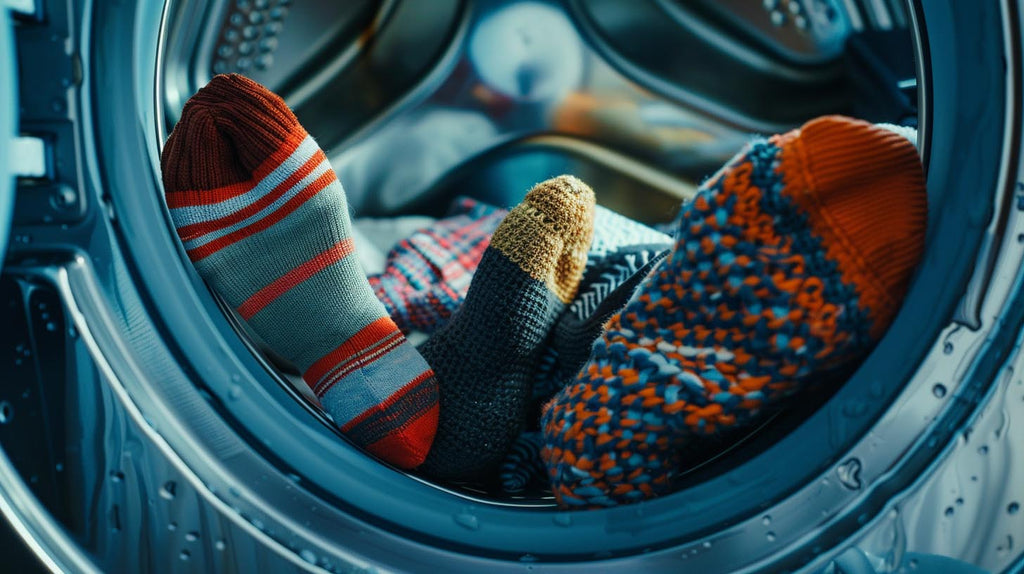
{"type": "Point", "coordinates": [556, 343]}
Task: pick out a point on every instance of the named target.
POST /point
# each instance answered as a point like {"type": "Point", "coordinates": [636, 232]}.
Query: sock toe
{"type": "Point", "coordinates": [549, 233]}
{"type": "Point", "coordinates": [228, 130]}
{"type": "Point", "coordinates": [864, 193]}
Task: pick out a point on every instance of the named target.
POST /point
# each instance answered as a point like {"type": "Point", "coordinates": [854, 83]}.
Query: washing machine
{"type": "Point", "coordinates": [144, 429]}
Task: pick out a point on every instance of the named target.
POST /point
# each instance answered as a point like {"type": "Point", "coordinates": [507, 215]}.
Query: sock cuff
{"type": "Point", "coordinates": [231, 132]}
{"type": "Point", "coordinates": [864, 193]}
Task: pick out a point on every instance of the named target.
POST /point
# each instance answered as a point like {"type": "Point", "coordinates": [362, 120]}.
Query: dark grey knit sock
{"type": "Point", "coordinates": [485, 356]}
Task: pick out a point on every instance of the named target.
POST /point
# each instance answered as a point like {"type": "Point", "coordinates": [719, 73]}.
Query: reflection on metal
{"type": "Point", "coordinates": [28, 157]}
{"type": "Point", "coordinates": [666, 183]}
{"type": "Point", "coordinates": [1010, 199]}
{"type": "Point", "coordinates": [36, 526]}
{"type": "Point", "coordinates": [121, 448]}
{"type": "Point", "coordinates": [480, 98]}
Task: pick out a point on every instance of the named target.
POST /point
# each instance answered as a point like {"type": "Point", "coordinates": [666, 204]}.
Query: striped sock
{"type": "Point", "coordinates": [265, 221]}
{"type": "Point", "coordinates": [789, 264]}
{"type": "Point", "coordinates": [486, 354]}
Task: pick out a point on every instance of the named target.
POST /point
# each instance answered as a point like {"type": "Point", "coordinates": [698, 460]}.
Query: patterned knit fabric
{"type": "Point", "coordinates": [522, 466]}
{"type": "Point", "coordinates": [609, 287]}
{"type": "Point", "coordinates": [605, 289]}
{"type": "Point", "coordinates": [486, 355]}
{"type": "Point", "coordinates": [427, 276]}
{"type": "Point", "coordinates": [791, 261]}
{"type": "Point", "coordinates": [263, 217]}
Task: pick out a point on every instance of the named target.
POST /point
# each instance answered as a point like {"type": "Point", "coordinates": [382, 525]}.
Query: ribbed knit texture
{"type": "Point", "coordinates": [486, 355]}
{"type": "Point", "coordinates": [790, 263]}
{"type": "Point", "coordinates": [263, 217]}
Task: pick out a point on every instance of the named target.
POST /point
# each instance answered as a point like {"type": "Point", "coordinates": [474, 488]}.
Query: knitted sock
{"type": "Point", "coordinates": [622, 254]}
{"type": "Point", "coordinates": [790, 263]}
{"type": "Point", "coordinates": [485, 356]}
{"type": "Point", "coordinates": [522, 465]}
{"type": "Point", "coordinates": [427, 275]}
{"type": "Point", "coordinates": [264, 219]}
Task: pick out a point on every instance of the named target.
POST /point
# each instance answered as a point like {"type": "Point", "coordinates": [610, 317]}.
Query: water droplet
{"type": "Point", "coordinates": [72, 332]}
{"type": "Point", "coordinates": [168, 490]}
{"type": "Point", "coordinates": [1020, 238]}
{"type": "Point", "coordinates": [172, 526]}
{"type": "Point", "coordinates": [983, 449]}
{"type": "Point", "coordinates": [192, 536]}
{"type": "Point", "coordinates": [849, 474]}
{"type": "Point", "coordinates": [854, 408]}
{"type": "Point", "coordinates": [220, 545]}
{"type": "Point", "coordinates": [467, 520]}
{"type": "Point", "coordinates": [115, 519]}
{"type": "Point", "coordinates": [562, 519]}
{"type": "Point", "coordinates": [60, 467]}
{"type": "Point", "coordinates": [185, 555]}
{"type": "Point", "coordinates": [234, 491]}
{"type": "Point", "coordinates": [876, 389]}
{"type": "Point", "coordinates": [234, 392]}
{"type": "Point", "coordinates": [974, 478]}
{"type": "Point", "coordinates": [912, 563]}
{"type": "Point", "coordinates": [308, 556]}
{"type": "Point", "coordinates": [863, 518]}
{"type": "Point", "coordinates": [770, 536]}
{"type": "Point", "coordinates": [959, 502]}
{"type": "Point", "coordinates": [6, 412]}
{"type": "Point", "coordinates": [1005, 548]}
{"type": "Point", "coordinates": [527, 558]}
{"type": "Point", "coordinates": [948, 348]}
{"type": "Point", "coordinates": [116, 476]}
{"type": "Point", "coordinates": [939, 390]}
{"type": "Point", "coordinates": [1013, 508]}
{"type": "Point", "coordinates": [51, 326]}
{"type": "Point", "coordinates": [949, 511]}
{"type": "Point", "coordinates": [766, 520]}
{"type": "Point", "coordinates": [706, 544]}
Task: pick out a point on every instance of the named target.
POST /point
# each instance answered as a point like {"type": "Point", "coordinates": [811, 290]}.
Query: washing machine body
{"type": "Point", "coordinates": [143, 429]}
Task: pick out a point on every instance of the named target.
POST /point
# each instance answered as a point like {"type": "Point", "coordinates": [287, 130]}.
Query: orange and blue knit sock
{"type": "Point", "coordinates": [790, 263]}
{"type": "Point", "coordinates": [265, 221]}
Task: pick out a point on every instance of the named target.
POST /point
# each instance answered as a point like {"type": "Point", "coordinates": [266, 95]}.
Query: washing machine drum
{"type": "Point", "coordinates": [144, 429]}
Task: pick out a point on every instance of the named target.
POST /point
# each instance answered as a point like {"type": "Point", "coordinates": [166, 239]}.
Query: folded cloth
{"type": "Point", "coordinates": [426, 276]}
{"type": "Point", "coordinates": [376, 236]}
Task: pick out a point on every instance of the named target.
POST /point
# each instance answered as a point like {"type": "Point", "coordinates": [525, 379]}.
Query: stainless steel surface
{"type": "Point", "coordinates": [160, 463]}
{"type": "Point", "coordinates": [515, 71]}
{"type": "Point", "coordinates": [510, 72]}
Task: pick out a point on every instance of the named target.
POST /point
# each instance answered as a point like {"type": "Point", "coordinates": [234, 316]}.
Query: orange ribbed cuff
{"type": "Point", "coordinates": [864, 192]}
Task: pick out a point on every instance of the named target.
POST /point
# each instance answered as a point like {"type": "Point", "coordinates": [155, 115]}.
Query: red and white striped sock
{"type": "Point", "coordinates": [265, 221]}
